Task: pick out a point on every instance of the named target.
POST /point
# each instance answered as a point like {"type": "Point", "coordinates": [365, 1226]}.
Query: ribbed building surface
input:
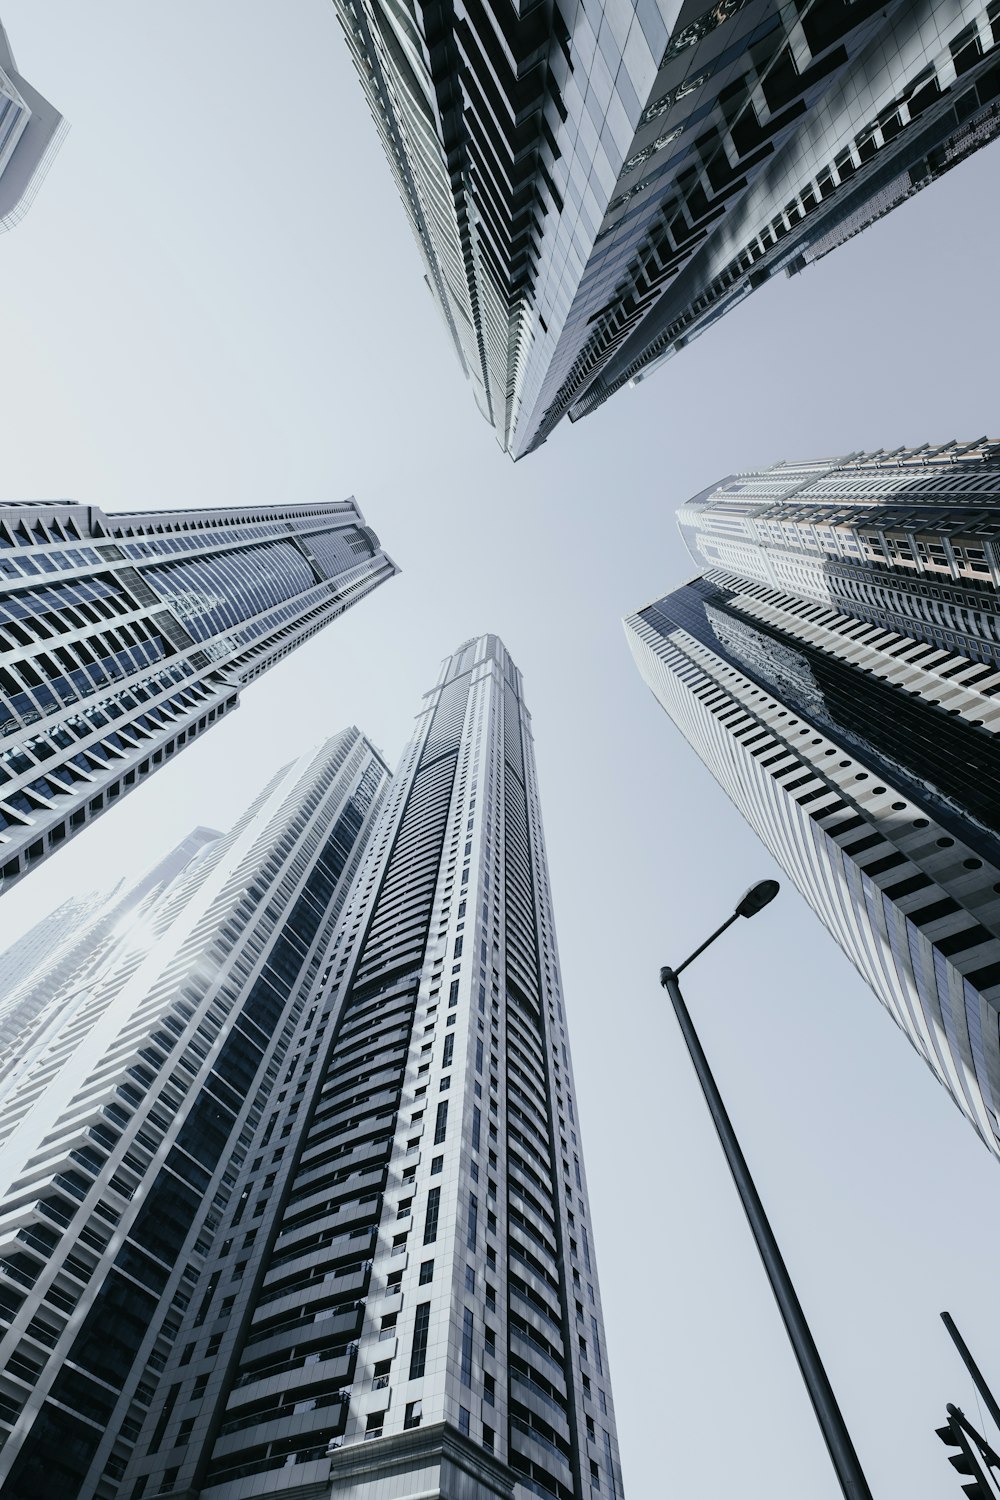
{"type": "Point", "coordinates": [126, 1142]}
{"type": "Point", "coordinates": [836, 668]}
{"type": "Point", "coordinates": [403, 1298]}
{"type": "Point", "coordinates": [591, 188]}
{"type": "Point", "coordinates": [124, 637]}
{"type": "Point", "coordinates": [31, 132]}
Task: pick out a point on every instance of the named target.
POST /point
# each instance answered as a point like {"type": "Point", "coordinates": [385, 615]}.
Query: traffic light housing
{"type": "Point", "coordinates": [974, 1456]}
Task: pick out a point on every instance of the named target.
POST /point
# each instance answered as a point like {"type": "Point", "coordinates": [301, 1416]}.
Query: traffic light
{"type": "Point", "coordinates": [974, 1457]}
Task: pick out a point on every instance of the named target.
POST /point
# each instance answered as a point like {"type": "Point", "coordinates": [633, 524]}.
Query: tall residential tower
{"type": "Point", "coordinates": [837, 668]}
{"type": "Point", "coordinates": [122, 637]}
{"type": "Point", "coordinates": [126, 1134]}
{"type": "Point", "coordinates": [591, 187]}
{"type": "Point", "coordinates": [315, 1221]}
{"type": "Point", "coordinates": [414, 1308]}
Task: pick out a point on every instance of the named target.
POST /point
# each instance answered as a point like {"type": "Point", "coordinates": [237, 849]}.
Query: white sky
{"type": "Point", "coordinates": [215, 300]}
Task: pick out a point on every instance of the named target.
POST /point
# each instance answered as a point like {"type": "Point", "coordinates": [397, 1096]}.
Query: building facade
{"type": "Point", "coordinates": [836, 668]}
{"type": "Point", "coordinates": [344, 1247]}
{"type": "Point", "coordinates": [124, 637]}
{"type": "Point", "coordinates": [591, 188]}
{"type": "Point", "coordinates": [415, 1307]}
{"type": "Point", "coordinates": [126, 1133]}
{"type": "Point", "coordinates": [31, 132]}
{"type": "Point", "coordinates": [61, 955]}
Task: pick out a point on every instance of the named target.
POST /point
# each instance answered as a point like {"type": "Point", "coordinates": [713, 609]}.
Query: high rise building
{"type": "Point", "coordinates": [31, 132]}
{"type": "Point", "coordinates": [60, 956]}
{"type": "Point", "coordinates": [357, 1257]}
{"type": "Point", "coordinates": [124, 637]}
{"type": "Point", "coordinates": [419, 1312]}
{"type": "Point", "coordinates": [126, 1133]}
{"type": "Point", "coordinates": [837, 668]}
{"type": "Point", "coordinates": [591, 188]}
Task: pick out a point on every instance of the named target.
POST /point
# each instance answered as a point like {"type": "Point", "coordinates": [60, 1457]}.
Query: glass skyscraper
{"type": "Point", "coordinates": [592, 187]}
{"type": "Point", "coordinates": [837, 668]}
{"type": "Point", "coordinates": [312, 1215]}
{"type": "Point", "coordinates": [126, 1131]}
{"type": "Point", "coordinates": [31, 132]}
{"type": "Point", "coordinates": [123, 637]}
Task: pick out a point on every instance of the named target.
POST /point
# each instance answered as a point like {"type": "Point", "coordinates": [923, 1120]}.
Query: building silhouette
{"type": "Point", "coordinates": [123, 638]}
{"type": "Point", "coordinates": [836, 668]}
{"type": "Point", "coordinates": [60, 956]}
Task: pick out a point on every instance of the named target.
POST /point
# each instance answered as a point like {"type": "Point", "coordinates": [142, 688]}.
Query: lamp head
{"type": "Point", "coordinates": [757, 897]}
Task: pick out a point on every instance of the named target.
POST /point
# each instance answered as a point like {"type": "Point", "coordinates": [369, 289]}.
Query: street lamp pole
{"type": "Point", "coordinates": [828, 1414]}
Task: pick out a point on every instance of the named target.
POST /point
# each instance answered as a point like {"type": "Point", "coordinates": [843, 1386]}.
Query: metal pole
{"type": "Point", "coordinates": [972, 1367]}
{"type": "Point", "coordinates": [828, 1414]}
{"type": "Point", "coordinates": [707, 943]}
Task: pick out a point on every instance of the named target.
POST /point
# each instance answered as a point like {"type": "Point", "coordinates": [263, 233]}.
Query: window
{"type": "Point", "coordinates": [441, 1122]}
{"type": "Point", "coordinates": [436, 1165]}
{"type": "Point", "coordinates": [489, 1390]}
{"type": "Point", "coordinates": [414, 1411]}
{"type": "Point", "coordinates": [449, 1049]}
{"type": "Point", "coordinates": [488, 1438]}
{"type": "Point", "coordinates": [463, 1420]}
{"type": "Point", "coordinates": [431, 1217]}
{"type": "Point", "coordinates": [477, 1125]}
{"type": "Point", "coordinates": [470, 1279]}
{"type": "Point", "coordinates": [465, 1367]}
{"type": "Point", "coordinates": [388, 1328]}
{"type": "Point", "coordinates": [373, 1429]}
{"type": "Point", "coordinates": [445, 1083]}
{"type": "Point", "coordinates": [473, 1224]}
{"type": "Point", "coordinates": [491, 1339]}
{"type": "Point", "coordinates": [380, 1376]}
{"type": "Point", "coordinates": [418, 1353]}
{"type": "Point", "coordinates": [426, 1272]}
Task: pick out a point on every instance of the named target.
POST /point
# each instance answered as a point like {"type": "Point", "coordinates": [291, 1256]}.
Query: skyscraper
{"type": "Point", "coordinates": [126, 1134]}
{"type": "Point", "coordinates": [418, 1310]}
{"type": "Point", "coordinates": [591, 188]}
{"type": "Point", "coordinates": [837, 668]}
{"type": "Point", "coordinates": [31, 132]}
{"type": "Point", "coordinates": [123, 637]}
{"type": "Point", "coordinates": [359, 1197]}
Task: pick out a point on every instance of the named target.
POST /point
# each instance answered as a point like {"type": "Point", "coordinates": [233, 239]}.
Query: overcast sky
{"type": "Point", "coordinates": [215, 300]}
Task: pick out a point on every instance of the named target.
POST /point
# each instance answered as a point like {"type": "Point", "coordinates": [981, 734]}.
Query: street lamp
{"type": "Point", "coordinates": [828, 1414]}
